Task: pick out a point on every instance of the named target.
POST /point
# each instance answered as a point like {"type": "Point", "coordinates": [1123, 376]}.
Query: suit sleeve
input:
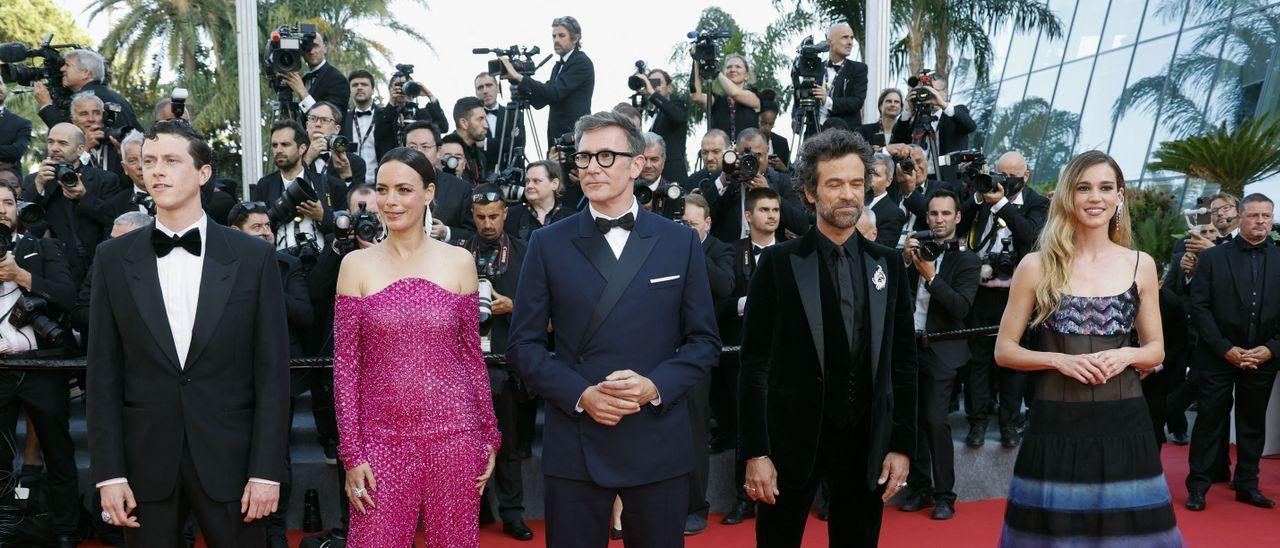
{"type": "Point", "coordinates": [269, 443]}
{"type": "Point", "coordinates": [756, 357]}
{"type": "Point", "coordinates": [720, 268]}
{"type": "Point", "coordinates": [358, 168]}
{"type": "Point", "coordinates": [80, 314]}
{"type": "Point", "coordinates": [901, 132]}
{"type": "Point", "coordinates": [889, 228]}
{"type": "Point", "coordinates": [676, 112]}
{"type": "Point", "coordinates": [795, 217]}
{"type": "Point", "coordinates": [105, 385]}
{"type": "Point", "coordinates": [956, 296]}
{"type": "Point", "coordinates": [469, 338]}
{"type": "Point", "coordinates": [13, 152]}
{"type": "Point", "coordinates": [52, 116]}
{"type": "Point", "coordinates": [434, 113]}
{"type": "Point", "coordinates": [466, 225]}
{"type": "Point", "coordinates": [1202, 303]}
{"type": "Point", "coordinates": [1025, 223]}
{"type": "Point", "coordinates": [103, 201]}
{"type": "Point", "coordinates": [545, 374]}
{"type": "Point", "coordinates": [963, 121]}
{"type": "Point", "coordinates": [905, 370]}
{"type": "Point", "coordinates": [297, 301]}
{"type": "Point", "coordinates": [55, 283]}
{"type": "Point", "coordinates": [851, 103]}
{"type": "Point", "coordinates": [700, 348]}
{"type": "Point", "coordinates": [573, 75]}
{"type": "Point", "coordinates": [917, 203]}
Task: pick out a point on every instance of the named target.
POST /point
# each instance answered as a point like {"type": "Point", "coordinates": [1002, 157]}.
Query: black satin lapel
{"type": "Point", "coordinates": [216, 279]}
{"type": "Point", "coordinates": [144, 285]}
{"type": "Point", "coordinates": [878, 299]}
{"type": "Point", "coordinates": [633, 257]}
{"type": "Point", "coordinates": [597, 251]}
{"type": "Point", "coordinates": [805, 269]}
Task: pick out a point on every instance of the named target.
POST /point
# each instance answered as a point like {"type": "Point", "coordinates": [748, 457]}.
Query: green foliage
{"type": "Point", "coordinates": [1156, 221]}
{"type": "Point", "coordinates": [1230, 158]}
{"type": "Point", "coordinates": [29, 21]}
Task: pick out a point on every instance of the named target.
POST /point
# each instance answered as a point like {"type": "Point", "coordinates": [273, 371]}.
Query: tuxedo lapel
{"type": "Point", "coordinates": [145, 288]}
{"type": "Point", "coordinates": [639, 244]}
{"type": "Point", "coordinates": [216, 279]}
{"type": "Point", "coordinates": [804, 264]}
{"type": "Point", "coordinates": [878, 295]}
{"type": "Point", "coordinates": [593, 245]}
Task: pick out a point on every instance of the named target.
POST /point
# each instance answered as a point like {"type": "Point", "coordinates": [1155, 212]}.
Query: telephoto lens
{"type": "Point", "coordinates": [485, 292]}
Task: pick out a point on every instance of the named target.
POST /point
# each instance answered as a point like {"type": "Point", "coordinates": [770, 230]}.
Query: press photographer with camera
{"type": "Point", "coordinates": [473, 129]}
{"type": "Point", "coordinates": [83, 70]}
{"type": "Point", "coordinates": [880, 132]}
{"type": "Point", "coordinates": [573, 79]}
{"type": "Point", "coordinates": [887, 185]}
{"type": "Point", "coordinates": [949, 122]}
{"type": "Point", "coordinates": [330, 153]}
{"type": "Point", "coordinates": [451, 207]}
{"type": "Point", "coordinates": [1224, 218]}
{"type": "Point", "coordinates": [844, 86]}
{"type": "Point", "coordinates": [367, 131]}
{"type": "Point", "coordinates": [89, 113]}
{"type": "Point", "coordinates": [736, 109]}
{"type": "Point", "coordinates": [779, 148]}
{"type": "Point", "coordinates": [506, 126]}
{"type": "Point", "coordinates": [670, 121]}
{"type": "Point", "coordinates": [659, 194]}
{"type": "Point", "coordinates": [542, 204]}
{"type": "Point", "coordinates": [742, 170]}
{"type": "Point", "coordinates": [300, 201]}
{"type": "Point", "coordinates": [80, 202]}
{"type": "Point", "coordinates": [169, 108]}
{"type": "Point", "coordinates": [15, 133]}
{"type": "Point", "coordinates": [322, 81]}
{"type": "Point", "coordinates": [404, 107]}
{"type": "Point", "coordinates": [917, 185]}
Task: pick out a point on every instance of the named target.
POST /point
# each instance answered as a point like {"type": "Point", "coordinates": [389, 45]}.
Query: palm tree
{"type": "Point", "coordinates": [1230, 158]}
{"type": "Point", "coordinates": [177, 28]}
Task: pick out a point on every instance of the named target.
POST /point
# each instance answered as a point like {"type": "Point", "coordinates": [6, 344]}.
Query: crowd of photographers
{"type": "Point", "coordinates": [962, 223]}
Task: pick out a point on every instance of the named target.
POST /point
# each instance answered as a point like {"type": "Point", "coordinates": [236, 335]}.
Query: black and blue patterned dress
{"type": "Point", "coordinates": [1089, 472]}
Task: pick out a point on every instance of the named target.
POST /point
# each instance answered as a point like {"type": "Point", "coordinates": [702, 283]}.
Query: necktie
{"type": "Point", "coordinates": [361, 113]}
{"type": "Point", "coordinates": [164, 243]}
{"type": "Point", "coordinates": [625, 222]}
{"type": "Point", "coordinates": [844, 284]}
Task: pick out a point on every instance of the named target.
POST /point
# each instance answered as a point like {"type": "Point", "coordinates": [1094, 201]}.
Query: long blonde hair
{"type": "Point", "coordinates": [1057, 240]}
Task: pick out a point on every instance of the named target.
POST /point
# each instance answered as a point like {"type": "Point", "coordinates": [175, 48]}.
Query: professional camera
{"type": "Point", "coordinates": [362, 224]}
{"type": "Point", "coordinates": [178, 102]}
{"type": "Point", "coordinates": [741, 168]}
{"type": "Point", "coordinates": [146, 201]}
{"type": "Point", "coordinates": [284, 51]}
{"type": "Point", "coordinates": [109, 113]}
{"type": "Point", "coordinates": [31, 310]}
{"type": "Point", "coordinates": [510, 183]}
{"type": "Point", "coordinates": [450, 164]}
{"type": "Point", "coordinates": [484, 294]}
{"type": "Point", "coordinates": [13, 71]}
{"type": "Point", "coordinates": [905, 165]}
{"type": "Point", "coordinates": [338, 144]}
{"type": "Point", "coordinates": [285, 207]}
{"type": "Point", "coordinates": [706, 54]}
{"type": "Point", "coordinates": [636, 83]}
{"type": "Point", "coordinates": [67, 175]}
{"type": "Point", "coordinates": [919, 97]}
{"type": "Point", "coordinates": [971, 172]}
{"type": "Point", "coordinates": [306, 250]}
{"type": "Point", "coordinates": [525, 67]}
{"type": "Point", "coordinates": [412, 90]}
{"type": "Point", "coordinates": [567, 148]}
{"type": "Point", "coordinates": [807, 71]}
{"type": "Point", "coordinates": [999, 265]}
{"type": "Point", "coordinates": [931, 247]}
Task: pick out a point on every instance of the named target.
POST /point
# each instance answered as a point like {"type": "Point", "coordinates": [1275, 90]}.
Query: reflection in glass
{"type": "Point", "coordinates": [1010, 94]}
{"type": "Point", "coordinates": [1163, 17]}
{"type": "Point", "coordinates": [1086, 32]}
{"type": "Point", "coordinates": [1020, 51]}
{"type": "Point", "coordinates": [1106, 85]}
{"type": "Point", "coordinates": [1122, 24]}
{"type": "Point", "coordinates": [1049, 52]}
{"type": "Point", "coordinates": [1133, 126]}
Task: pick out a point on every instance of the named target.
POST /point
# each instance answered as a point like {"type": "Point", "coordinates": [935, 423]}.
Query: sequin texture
{"type": "Point", "coordinates": [412, 398]}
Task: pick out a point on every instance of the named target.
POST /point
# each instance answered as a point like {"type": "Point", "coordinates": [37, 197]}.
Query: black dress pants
{"type": "Point", "coordinates": [699, 401]}
{"type": "Point", "coordinates": [1209, 435]}
{"type": "Point", "coordinates": [508, 480]}
{"type": "Point", "coordinates": [578, 513]}
{"type": "Point", "coordinates": [933, 463]}
{"type": "Point", "coordinates": [45, 397]}
{"type": "Point", "coordinates": [986, 380]}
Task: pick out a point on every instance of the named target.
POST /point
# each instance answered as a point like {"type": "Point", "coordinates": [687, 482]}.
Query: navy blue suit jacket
{"type": "Point", "coordinates": [655, 318]}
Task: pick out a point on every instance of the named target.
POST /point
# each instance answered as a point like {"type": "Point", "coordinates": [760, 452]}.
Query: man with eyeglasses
{"type": "Point", "coordinates": [728, 196]}
{"type": "Point", "coordinates": [451, 208]}
{"type": "Point", "coordinates": [499, 258]}
{"type": "Point", "coordinates": [324, 120]}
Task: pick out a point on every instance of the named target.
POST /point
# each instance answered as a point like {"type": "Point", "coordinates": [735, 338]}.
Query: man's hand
{"type": "Point", "coordinates": [511, 75]}
{"type": "Point", "coordinates": [11, 272]}
{"type": "Point", "coordinates": [438, 229]}
{"type": "Point", "coordinates": [312, 208]}
{"type": "Point", "coordinates": [908, 183]}
{"type": "Point", "coordinates": [762, 480]}
{"type": "Point", "coordinates": [1258, 356]}
{"type": "Point", "coordinates": [41, 92]}
{"type": "Point", "coordinates": [46, 174]}
{"type": "Point", "coordinates": [993, 198]}
{"type": "Point", "coordinates": [294, 81]}
{"type": "Point", "coordinates": [775, 162]}
{"type": "Point", "coordinates": [606, 409]}
{"type": "Point", "coordinates": [1197, 243]}
{"type": "Point", "coordinates": [1240, 357]}
{"type": "Point", "coordinates": [397, 95]}
{"type": "Point", "coordinates": [342, 165]}
{"type": "Point", "coordinates": [318, 145]}
{"type": "Point", "coordinates": [501, 304]}
{"type": "Point", "coordinates": [74, 192]}
{"type": "Point", "coordinates": [629, 385]}
{"type": "Point", "coordinates": [820, 93]}
{"type": "Point", "coordinates": [117, 500]}
{"type": "Point", "coordinates": [93, 138]}
{"type": "Point", "coordinates": [757, 182]}
{"type": "Point", "coordinates": [894, 473]}
{"type": "Point", "coordinates": [1188, 262]}
{"type": "Point", "coordinates": [259, 500]}
{"type": "Point", "coordinates": [912, 253]}
{"type": "Point", "coordinates": [648, 86]}
{"type": "Point", "coordinates": [936, 98]}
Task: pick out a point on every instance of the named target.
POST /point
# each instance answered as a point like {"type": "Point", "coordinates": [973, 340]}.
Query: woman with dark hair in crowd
{"type": "Point", "coordinates": [415, 416]}
{"type": "Point", "coordinates": [1089, 470]}
{"type": "Point", "coordinates": [541, 205]}
{"type": "Point", "coordinates": [736, 109]}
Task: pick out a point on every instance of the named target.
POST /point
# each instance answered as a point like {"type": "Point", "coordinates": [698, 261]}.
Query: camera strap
{"type": "Point", "coordinates": [503, 253]}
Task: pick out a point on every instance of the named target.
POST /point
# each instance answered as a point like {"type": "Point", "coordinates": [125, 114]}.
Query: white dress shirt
{"type": "Point", "coordinates": [13, 339]}
{"type": "Point", "coordinates": [995, 246]}
{"type": "Point", "coordinates": [742, 301]}
{"type": "Point", "coordinates": [824, 109]}
{"type": "Point", "coordinates": [309, 101]}
{"type": "Point", "coordinates": [923, 295]}
{"type": "Point", "coordinates": [362, 127]}
{"type": "Point", "coordinates": [617, 236]}
{"type": "Point", "coordinates": [287, 234]}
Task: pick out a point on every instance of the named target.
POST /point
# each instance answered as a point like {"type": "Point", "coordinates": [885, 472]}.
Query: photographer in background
{"type": "Point", "coordinates": [80, 202]}
{"type": "Point", "coordinates": [368, 128]}
{"type": "Point", "coordinates": [36, 283]}
{"type": "Point", "coordinates": [83, 70]}
{"type": "Point", "coordinates": [670, 121]}
{"type": "Point", "coordinates": [403, 110]}
{"type": "Point", "coordinates": [738, 108]}
{"type": "Point", "coordinates": [573, 79]}
{"type": "Point", "coordinates": [451, 208]}
{"type": "Point", "coordinates": [655, 153]}
{"type": "Point", "coordinates": [844, 87]}
{"type": "Point", "coordinates": [944, 281]}
{"type": "Point", "coordinates": [914, 162]}
{"type": "Point", "coordinates": [1225, 220]}
{"type": "Point", "coordinates": [473, 128]}
{"type": "Point", "coordinates": [499, 258]}
{"type": "Point", "coordinates": [951, 123]}
{"type": "Point", "coordinates": [164, 111]}
{"type": "Point", "coordinates": [779, 148]}
{"type": "Point", "coordinates": [15, 134]}
{"type": "Point", "coordinates": [88, 113]}
{"type": "Point", "coordinates": [542, 205]}
{"type": "Point", "coordinates": [1002, 229]}
{"type": "Point", "coordinates": [506, 126]}
{"type": "Point", "coordinates": [322, 82]}
{"type": "Point", "coordinates": [726, 192]}
{"type": "Point", "coordinates": [312, 218]}
{"type": "Point", "coordinates": [887, 184]}
{"type": "Point", "coordinates": [714, 144]}
{"type": "Point", "coordinates": [337, 160]}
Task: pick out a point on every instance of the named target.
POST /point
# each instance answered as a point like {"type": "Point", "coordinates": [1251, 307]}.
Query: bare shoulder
{"type": "Point", "coordinates": [462, 266]}
{"type": "Point", "coordinates": [1030, 267]}
{"type": "Point", "coordinates": [351, 274]}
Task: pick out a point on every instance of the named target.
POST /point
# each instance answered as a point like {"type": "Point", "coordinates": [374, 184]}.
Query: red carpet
{"type": "Point", "coordinates": [1224, 523]}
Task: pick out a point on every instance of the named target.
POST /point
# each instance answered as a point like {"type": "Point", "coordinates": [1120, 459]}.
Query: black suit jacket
{"type": "Point", "coordinates": [951, 295]}
{"type": "Point", "coordinates": [331, 190]}
{"type": "Point", "coordinates": [1024, 221]}
{"type": "Point", "coordinates": [781, 148]}
{"type": "Point", "coordinates": [671, 122]}
{"type": "Point", "coordinates": [1220, 297]}
{"type": "Point", "coordinates": [783, 360]}
{"type": "Point", "coordinates": [848, 91]}
{"type": "Point", "coordinates": [953, 135]}
{"type": "Point", "coordinates": [125, 119]}
{"type": "Point", "coordinates": [327, 83]}
{"type": "Point", "coordinates": [719, 258]}
{"type": "Point", "coordinates": [726, 209]}
{"type": "Point", "coordinates": [15, 137]}
{"type": "Point", "coordinates": [452, 205]}
{"type": "Point", "coordinates": [889, 221]}
{"type": "Point", "coordinates": [297, 302]}
{"type": "Point", "coordinates": [229, 405]}
{"type": "Point", "coordinates": [50, 271]}
{"type": "Point", "coordinates": [1176, 314]}
{"type": "Point", "coordinates": [521, 223]}
{"type": "Point", "coordinates": [81, 224]}
{"type": "Point", "coordinates": [568, 92]}
{"type": "Point", "coordinates": [509, 121]}
{"type": "Point", "coordinates": [744, 265]}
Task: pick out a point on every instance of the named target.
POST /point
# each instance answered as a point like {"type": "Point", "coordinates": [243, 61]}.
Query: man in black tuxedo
{"type": "Point", "coordinates": [15, 134]}
{"type": "Point", "coordinates": [918, 184]}
{"type": "Point", "coordinates": [1236, 299]}
{"type": "Point", "coordinates": [844, 85]}
{"type": "Point", "coordinates": [505, 139]}
{"type": "Point", "coordinates": [370, 135]}
{"type": "Point", "coordinates": [726, 195]}
{"type": "Point", "coordinates": [36, 267]}
{"type": "Point", "coordinates": [451, 218]}
{"type": "Point", "coordinates": [951, 122]}
{"type": "Point", "coordinates": [670, 121]}
{"type": "Point", "coordinates": [655, 153]}
{"type": "Point", "coordinates": [313, 218]}
{"type": "Point", "coordinates": [828, 331]}
{"type": "Point", "coordinates": [944, 289]}
{"type": "Point", "coordinates": [714, 144]}
{"type": "Point", "coordinates": [87, 113]}
{"type": "Point", "coordinates": [887, 184]}
{"type": "Point", "coordinates": [83, 71]}
{"type": "Point", "coordinates": [322, 81]}
{"type": "Point", "coordinates": [79, 216]}
{"type": "Point", "coordinates": [573, 79]}
{"type": "Point", "coordinates": [190, 379]}
{"type": "Point", "coordinates": [324, 120]}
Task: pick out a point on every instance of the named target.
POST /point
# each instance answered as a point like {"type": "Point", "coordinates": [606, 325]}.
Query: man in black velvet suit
{"type": "Point", "coordinates": [189, 411]}
{"type": "Point", "coordinates": [1236, 299]}
{"type": "Point", "coordinates": [828, 363]}
{"type": "Point", "coordinates": [15, 134]}
{"type": "Point", "coordinates": [573, 79]}
{"type": "Point", "coordinates": [322, 81]}
{"type": "Point", "coordinates": [844, 87]}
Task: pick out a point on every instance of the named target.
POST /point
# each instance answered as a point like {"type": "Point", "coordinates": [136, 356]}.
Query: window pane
{"type": "Point", "coordinates": [1086, 32]}
{"type": "Point", "coordinates": [1122, 23]}
{"type": "Point", "coordinates": [1003, 118]}
{"type": "Point", "coordinates": [1000, 51]}
{"type": "Point", "coordinates": [1035, 119]}
{"type": "Point", "coordinates": [1188, 88]}
{"type": "Point", "coordinates": [1024, 45]}
{"type": "Point", "coordinates": [1050, 51]}
{"type": "Point", "coordinates": [1107, 83]}
{"type": "Point", "coordinates": [1062, 123]}
{"type": "Point", "coordinates": [1163, 17]}
{"type": "Point", "coordinates": [1133, 133]}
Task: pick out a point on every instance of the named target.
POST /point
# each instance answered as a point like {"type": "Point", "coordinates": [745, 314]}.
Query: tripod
{"type": "Point", "coordinates": [286, 108]}
{"type": "Point", "coordinates": [924, 136]}
{"type": "Point", "coordinates": [522, 110]}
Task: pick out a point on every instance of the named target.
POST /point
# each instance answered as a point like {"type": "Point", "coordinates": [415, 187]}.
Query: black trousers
{"type": "Point", "coordinates": [933, 463]}
{"type": "Point", "coordinates": [45, 397]}
{"type": "Point", "coordinates": [508, 482]}
{"type": "Point", "coordinates": [220, 522]}
{"type": "Point", "coordinates": [1252, 392]}
{"type": "Point", "coordinates": [856, 511]}
{"type": "Point", "coordinates": [300, 380]}
{"type": "Point", "coordinates": [699, 402]}
{"type": "Point", "coordinates": [986, 380]}
{"type": "Point", "coordinates": [1180, 400]}
{"type": "Point", "coordinates": [578, 513]}
{"type": "Point", "coordinates": [724, 398]}
{"type": "Point", "coordinates": [1177, 401]}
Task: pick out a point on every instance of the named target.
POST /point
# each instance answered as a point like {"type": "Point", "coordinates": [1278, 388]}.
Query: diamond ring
{"type": "Point", "coordinates": [106, 516]}
{"type": "Point", "coordinates": [358, 492]}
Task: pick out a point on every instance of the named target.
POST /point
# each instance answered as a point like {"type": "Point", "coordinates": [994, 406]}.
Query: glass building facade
{"type": "Point", "coordinates": [1123, 77]}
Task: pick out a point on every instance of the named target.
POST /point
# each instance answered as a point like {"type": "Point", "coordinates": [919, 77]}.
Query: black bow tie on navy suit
{"type": "Point", "coordinates": [164, 243]}
{"type": "Point", "coordinates": [625, 222]}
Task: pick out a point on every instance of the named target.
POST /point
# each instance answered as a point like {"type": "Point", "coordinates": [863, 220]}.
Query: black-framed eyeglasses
{"type": "Point", "coordinates": [316, 119]}
{"type": "Point", "coordinates": [485, 198]}
{"type": "Point", "coordinates": [605, 158]}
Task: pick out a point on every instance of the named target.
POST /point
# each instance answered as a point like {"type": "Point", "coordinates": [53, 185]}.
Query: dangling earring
{"type": "Point", "coordinates": [1116, 220]}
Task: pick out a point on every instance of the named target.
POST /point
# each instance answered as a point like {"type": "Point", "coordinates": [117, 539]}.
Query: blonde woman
{"type": "Point", "coordinates": [738, 108]}
{"type": "Point", "coordinates": [1089, 470]}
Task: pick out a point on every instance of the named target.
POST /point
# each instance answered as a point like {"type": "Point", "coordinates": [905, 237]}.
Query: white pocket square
{"type": "Point", "coordinates": [29, 255]}
{"type": "Point", "coordinates": [664, 279]}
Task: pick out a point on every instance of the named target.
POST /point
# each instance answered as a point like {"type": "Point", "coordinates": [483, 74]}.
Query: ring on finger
{"type": "Point", "coordinates": [358, 492]}
{"type": "Point", "coordinates": [902, 484]}
{"type": "Point", "coordinates": [106, 516]}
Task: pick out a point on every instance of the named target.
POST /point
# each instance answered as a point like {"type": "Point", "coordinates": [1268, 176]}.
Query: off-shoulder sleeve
{"type": "Point", "coordinates": [346, 379]}
{"type": "Point", "coordinates": [468, 312]}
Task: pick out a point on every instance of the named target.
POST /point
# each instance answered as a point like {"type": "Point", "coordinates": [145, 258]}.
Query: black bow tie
{"type": "Point", "coordinates": [360, 113]}
{"type": "Point", "coordinates": [834, 66]}
{"type": "Point", "coordinates": [164, 243]}
{"type": "Point", "coordinates": [625, 222]}
{"type": "Point", "coordinates": [756, 249]}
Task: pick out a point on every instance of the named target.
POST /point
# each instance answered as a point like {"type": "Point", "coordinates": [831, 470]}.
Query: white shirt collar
{"type": "Point", "coordinates": [566, 56]}
{"type": "Point", "coordinates": [634, 210]}
{"type": "Point", "coordinates": [772, 240]}
{"type": "Point", "coordinates": [323, 62]}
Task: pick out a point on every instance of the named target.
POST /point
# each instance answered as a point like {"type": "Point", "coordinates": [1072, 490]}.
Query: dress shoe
{"type": "Point", "coordinates": [1010, 437]}
{"type": "Point", "coordinates": [1254, 497]}
{"type": "Point", "coordinates": [1179, 438]}
{"type": "Point", "coordinates": [824, 510]}
{"type": "Point", "coordinates": [977, 435]}
{"type": "Point", "coordinates": [694, 524]}
{"type": "Point", "coordinates": [742, 511]}
{"type": "Point", "coordinates": [615, 534]}
{"type": "Point", "coordinates": [1195, 502]}
{"type": "Point", "coordinates": [916, 501]}
{"type": "Point", "coordinates": [944, 509]}
{"type": "Point", "coordinates": [516, 529]}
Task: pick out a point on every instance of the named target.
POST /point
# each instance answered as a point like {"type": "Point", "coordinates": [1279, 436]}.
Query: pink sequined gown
{"type": "Point", "coordinates": [412, 400]}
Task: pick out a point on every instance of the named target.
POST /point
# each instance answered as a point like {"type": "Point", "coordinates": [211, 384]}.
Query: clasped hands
{"type": "Point", "coordinates": [620, 394]}
{"type": "Point", "coordinates": [1095, 368]}
{"type": "Point", "coordinates": [1248, 359]}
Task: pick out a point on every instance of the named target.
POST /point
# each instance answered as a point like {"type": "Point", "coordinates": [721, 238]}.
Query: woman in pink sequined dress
{"type": "Point", "coordinates": [415, 418]}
